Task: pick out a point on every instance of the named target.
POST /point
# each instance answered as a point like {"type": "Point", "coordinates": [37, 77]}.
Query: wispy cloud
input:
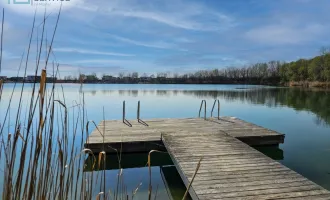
{"type": "Point", "coordinates": [179, 35]}
{"type": "Point", "coordinates": [105, 61]}
{"type": "Point", "coordinates": [173, 13]}
{"type": "Point", "coordinates": [86, 51]}
{"type": "Point", "coordinates": [285, 34]}
{"type": "Point", "coordinates": [159, 44]}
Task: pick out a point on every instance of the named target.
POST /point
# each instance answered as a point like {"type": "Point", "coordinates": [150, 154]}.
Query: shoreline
{"type": "Point", "coordinates": [298, 84]}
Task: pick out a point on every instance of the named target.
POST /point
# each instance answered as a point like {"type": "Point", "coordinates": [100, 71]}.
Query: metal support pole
{"type": "Point", "coordinates": [205, 110]}
{"type": "Point", "coordinates": [124, 111]}
{"type": "Point", "coordinates": [200, 109]}
{"type": "Point", "coordinates": [138, 111]}
{"type": "Point", "coordinates": [218, 110]}
{"type": "Point", "coordinates": [216, 101]}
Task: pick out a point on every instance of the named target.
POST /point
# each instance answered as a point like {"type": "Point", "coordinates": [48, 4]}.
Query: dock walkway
{"type": "Point", "coordinates": [230, 168]}
{"type": "Point", "coordinates": [144, 135]}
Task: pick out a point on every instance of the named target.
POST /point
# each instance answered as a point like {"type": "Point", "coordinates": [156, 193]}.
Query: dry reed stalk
{"type": "Point", "coordinates": [1, 87]}
{"type": "Point", "coordinates": [101, 154]}
{"type": "Point", "coordinates": [192, 180]}
{"type": "Point", "coordinates": [156, 192]}
{"type": "Point", "coordinates": [119, 179]}
{"type": "Point", "coordinates": [48, 169]}
{"type": "Point", "coordinates": [98, 196]}
{"type": "Point", "coordinates": [149, 168]}
{"type": "Point", "coordinates": [136, 190]}
{"type": "Point", "coordinates": [3, 21]}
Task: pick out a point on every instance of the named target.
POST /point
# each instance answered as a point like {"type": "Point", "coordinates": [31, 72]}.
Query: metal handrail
{"type": "Point", "coordinates": [200, 109]}
{"type": "Point", "coordinates": [124, 110]}
{"type": "Point", "coordinates": [138, 115]}
{"type": "Point", "coordinates": [138, 111]}
{"type": "Point", "coordinates": [125, 121]}
{"type": "Point", "coordinates": [217, 100]}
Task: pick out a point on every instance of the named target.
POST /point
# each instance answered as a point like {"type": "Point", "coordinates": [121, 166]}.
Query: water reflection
{"type": "Point", "coordinates": [164, 175]}
{"type": "Point", "coordinates": [316, 101]}
{"type": "Point", "coordinates": [274, 152]}
{"type": "Point", "coordinates": [130, 160]}
{"type": "Point", "coordinates": [170, 177]}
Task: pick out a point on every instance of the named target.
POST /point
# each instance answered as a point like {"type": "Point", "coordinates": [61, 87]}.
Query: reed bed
{"type": "Point", "coordinates": [42, 154]}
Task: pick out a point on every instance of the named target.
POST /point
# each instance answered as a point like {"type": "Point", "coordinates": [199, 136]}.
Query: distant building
{"type": "Point", "coordinates": [91, 78]}
{"type": "Point", "coordinates": [51, 79]}
{"type": "Point", "coordinates": [145, 78]}
{"type": "Point", "coordinates": [3, 78]}
{"type": "Point", "coordinates": [33, 78]}
{"type": "Point", "coordinates": [107, 78]}
{"type": "Point", "coordinates": [16, 79]}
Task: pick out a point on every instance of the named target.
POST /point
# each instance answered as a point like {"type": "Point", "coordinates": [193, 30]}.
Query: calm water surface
{"type": "Point", "coordinates": [303, 115]}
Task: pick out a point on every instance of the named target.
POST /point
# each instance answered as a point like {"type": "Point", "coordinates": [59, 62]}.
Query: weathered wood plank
{"type": "Point", "coordinates": [234, 170]}
{"type": "Point", "coordinates": [117, 131]}
{"type": "Point", "coordinates": [230, 168]}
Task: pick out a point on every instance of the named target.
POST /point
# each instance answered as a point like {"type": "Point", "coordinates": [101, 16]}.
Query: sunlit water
{"type": "Point", "coordinates": [302, 115]}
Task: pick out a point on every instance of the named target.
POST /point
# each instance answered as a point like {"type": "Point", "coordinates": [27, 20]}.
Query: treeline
{"type": "Point", "coordinates": [260, 73]}
{"type": "Point", "coordinates": [298, 72]}
{"type": "Point", "coordinates": [303, 70]}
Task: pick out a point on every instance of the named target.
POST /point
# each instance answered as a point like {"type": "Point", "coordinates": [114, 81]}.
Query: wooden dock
{"type": "Point", "coordinates": [146, 135]}
{"type": "Point", "coordinates": [230, 169]}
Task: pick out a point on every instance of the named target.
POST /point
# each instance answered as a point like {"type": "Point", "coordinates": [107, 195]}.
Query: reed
{"type": "Point", "coordinates": [193, 178]}
{"type": "Point", "coordinates": [42, 155]}
{"type": "Point", "coordinates": [1, 88]}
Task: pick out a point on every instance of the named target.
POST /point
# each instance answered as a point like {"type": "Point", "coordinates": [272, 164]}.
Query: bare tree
{"type": "Point", "coordinates": [121, 74]}
{"type": "Point", "coordinates": [135, 75]}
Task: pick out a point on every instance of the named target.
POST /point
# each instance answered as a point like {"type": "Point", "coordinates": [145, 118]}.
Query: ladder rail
{"type": "Point", "coordinates": [125, 121]}
{"type": "Point", "coordinates": [200, 109]}
{"type": "Point", "coordinates": [216, 101]}
{"type": "Point", "coordinates": [138, 115]}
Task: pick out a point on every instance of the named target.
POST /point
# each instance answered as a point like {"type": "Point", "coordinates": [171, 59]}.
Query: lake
{"type": "Point", "coordinates": [303, 115]}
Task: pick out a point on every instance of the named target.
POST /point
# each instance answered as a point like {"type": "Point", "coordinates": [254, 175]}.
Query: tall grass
{"type": "Point", "coordinates": [40, 155]}
{"type": "Point", "coordinates": [42, 150]}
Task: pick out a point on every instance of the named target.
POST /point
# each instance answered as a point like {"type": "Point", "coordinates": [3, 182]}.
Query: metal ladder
{"type": "Point", "coordinates": [204, 103]}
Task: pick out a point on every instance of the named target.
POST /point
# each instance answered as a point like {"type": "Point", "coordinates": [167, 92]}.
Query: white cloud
{"type": "Point", "coordinates": [104, 61]}
{"type": "Point", "coordinates": [285, 34]}
{"type": "Point", "coordinates": [86, 51]}
{"type": "Point", "coordinates": [159, 44]}
{"type": "Point", "coordinates": [177, 14]}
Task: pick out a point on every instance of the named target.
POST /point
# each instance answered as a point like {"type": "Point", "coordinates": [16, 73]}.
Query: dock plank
{"type": "Point", "coordinates": [116, 131]}
{"type": "Point", "coordinates": [231, 168]}
{"type": "Point", "coordinates": [261, 178]}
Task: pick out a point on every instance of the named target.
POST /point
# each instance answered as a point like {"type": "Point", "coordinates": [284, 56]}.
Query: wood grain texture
{"type": "Point", "coordinates": [115, 131]}
{"type": "Point", "coordinates": [230, 169]}
{"type": "Point", "coordinates": [234, 170]}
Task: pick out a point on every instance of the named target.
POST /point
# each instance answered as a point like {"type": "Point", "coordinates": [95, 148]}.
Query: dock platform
{"type": "Point", "coordinates": [146, 135]}
{"type": "Point", "coordinates": [230, 168]}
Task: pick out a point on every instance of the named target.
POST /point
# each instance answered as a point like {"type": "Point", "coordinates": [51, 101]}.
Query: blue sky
{"type": "Point", "coordinates": [112, 36]}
